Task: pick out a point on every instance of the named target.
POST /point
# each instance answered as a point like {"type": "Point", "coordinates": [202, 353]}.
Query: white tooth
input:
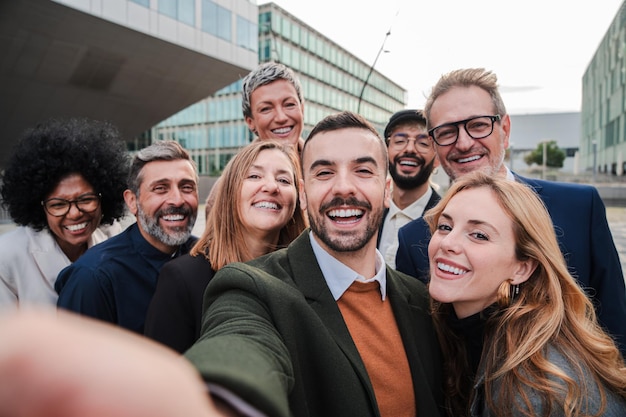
{"type": "Point", "coordinates": [76, 227]}
{"type": "Point", "coordinates": [174, 217]}
{"type": "Point", "coordinates": [410, 163]}
{"type": "Point", "coordinates": [345, 213]}
{"type": "Point", "coordinates": [266, 204]}
{"type": "Point", "coordinates": [469, 159]}
{"type": "Point", "coordinates": [282, 130]}
{"type": "Point", "coordinates": [448, 268]}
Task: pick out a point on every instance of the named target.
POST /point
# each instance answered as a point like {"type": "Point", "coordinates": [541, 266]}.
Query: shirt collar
{"type": "Point", "coordinates": [509, 174]}
{"type": "Point", "coordinates": [413, 210]}
{"type": "Point", "coordinates": [339, 277]}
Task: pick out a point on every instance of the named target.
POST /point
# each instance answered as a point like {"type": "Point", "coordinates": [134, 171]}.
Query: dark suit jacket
{"type": "Point", "coordinates": [273, 334]}
{"type": "Point", "coordinates": [432, 201]}
{"type": "Point", "coordinates": [579, 218]}
{"type": "Point", "coordinates": [174, 316]}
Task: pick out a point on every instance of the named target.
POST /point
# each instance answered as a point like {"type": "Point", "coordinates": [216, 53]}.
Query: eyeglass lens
{"type": "Point", "coordinates": [477, 128]}
{"type": "Point", "coordinates": [60, 206]}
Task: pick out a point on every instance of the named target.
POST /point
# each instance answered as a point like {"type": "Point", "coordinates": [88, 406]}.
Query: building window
{"type": "Point", "coordinates": [216, 20]}
{"type": "Point", "coordinates": [181, 10]}
{"type": "Point", "coordinates": [247, 34]}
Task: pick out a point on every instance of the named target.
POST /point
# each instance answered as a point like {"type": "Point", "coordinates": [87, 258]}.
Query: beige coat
{"type": "Point", "coordinates": [30, 262]}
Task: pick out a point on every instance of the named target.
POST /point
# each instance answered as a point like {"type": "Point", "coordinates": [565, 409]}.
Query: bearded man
{"type": "Point", "coordinates": [412, 159]}
{"type": "Point", "coordinates": [115, 281]}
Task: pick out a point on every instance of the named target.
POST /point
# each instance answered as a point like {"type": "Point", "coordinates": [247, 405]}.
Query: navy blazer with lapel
{"type": "Point", "coordinates": [583, 233]}
{"type": "Point", "coordinates": [432, 201]}
{"type": "Point", "coordinates": [273, 335]}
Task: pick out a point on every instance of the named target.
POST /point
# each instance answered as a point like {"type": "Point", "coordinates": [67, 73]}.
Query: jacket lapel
{"type": "Point", "coordinates": [49, 258]}
{"type": "Point", "coordinates": [432, 201]}
{"type": "Point", "coordinates": [536, 186]}
{"type": "Point", "coordinates": [309, 279]}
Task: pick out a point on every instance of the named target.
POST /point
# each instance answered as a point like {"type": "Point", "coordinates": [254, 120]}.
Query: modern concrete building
{"type": "Point", "coordinates": [332, 78]}
{"type": "Point", "coordinates": [604, 102]}
{"type": "Point", "coordinates": [132, 62]}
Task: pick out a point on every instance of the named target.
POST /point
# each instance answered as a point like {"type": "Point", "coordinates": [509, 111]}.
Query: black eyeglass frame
{"type": "Point", "coordinates": [494, 118]}
{"type": "Point", "coordinates": [98, 196]}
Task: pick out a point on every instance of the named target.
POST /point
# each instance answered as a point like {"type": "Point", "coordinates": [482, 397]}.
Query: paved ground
{"type": "Point", "coordinates": [617, 223]}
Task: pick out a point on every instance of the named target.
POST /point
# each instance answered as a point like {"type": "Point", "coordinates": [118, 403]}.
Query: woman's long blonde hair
{"type": "Point", "coordinates": [223, 239]}
{"type": "Point", "coordinates": [550, 310]}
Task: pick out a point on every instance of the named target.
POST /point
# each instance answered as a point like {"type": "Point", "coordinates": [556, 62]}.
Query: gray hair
{"type": "Point", "coordinates": [165, 150]}
{"type": "Point", "coordinates": [264, 74]}
{"type": "Point", "coordinates": [478, 77]}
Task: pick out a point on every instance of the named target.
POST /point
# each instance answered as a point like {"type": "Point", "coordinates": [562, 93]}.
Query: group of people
{"type": "Point", "coordinates": [331, 279]}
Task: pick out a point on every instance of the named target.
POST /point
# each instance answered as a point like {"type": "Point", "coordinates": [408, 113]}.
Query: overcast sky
{"type": "Point", "coordinates": [539, 49]}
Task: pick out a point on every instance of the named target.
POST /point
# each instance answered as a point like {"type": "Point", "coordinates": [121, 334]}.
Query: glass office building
{"type": "Point", "coordinates": [213, 130]}
{"type": "Point", "coordinates": [603, 112]}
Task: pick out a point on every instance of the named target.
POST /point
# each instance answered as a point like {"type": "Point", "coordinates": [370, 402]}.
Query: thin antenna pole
{"type": "Point", "coordinates": [369, 74]}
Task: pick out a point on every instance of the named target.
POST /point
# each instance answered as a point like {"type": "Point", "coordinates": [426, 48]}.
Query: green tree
{"type": "Point", "coordinates": [555, 156]}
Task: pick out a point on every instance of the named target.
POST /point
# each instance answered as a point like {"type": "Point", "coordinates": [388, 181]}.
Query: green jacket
{"type": "Point", "coordinates": [273, 335]}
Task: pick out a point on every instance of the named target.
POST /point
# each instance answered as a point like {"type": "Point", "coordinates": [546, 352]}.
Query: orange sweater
{"type": "Point", "coordinates": [375, 333]}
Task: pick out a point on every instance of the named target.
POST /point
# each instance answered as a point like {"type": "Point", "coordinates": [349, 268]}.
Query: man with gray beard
{"type": "Point", "coordinates": [412, 159]}
{"type": "Point", "coordinates": [115, 281]}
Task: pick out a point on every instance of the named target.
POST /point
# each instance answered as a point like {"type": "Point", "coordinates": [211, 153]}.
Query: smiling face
{"type": "Point", "coordinates": [412, 165]}
{"type": "Point", "coordinates": [467, 154]}
{"type": "Point", "coordinates": [73, 230]}
{"type": "Point", "coordinates": [268, 194]}
{"type": "Point", "coordinates": [472, 252]}
{"type": "Point", "coordinates": [345, 189]}
{"type": "Point", "coordinates": [276, 112]}
{"type": "Point", "coordinates": [167, 203]}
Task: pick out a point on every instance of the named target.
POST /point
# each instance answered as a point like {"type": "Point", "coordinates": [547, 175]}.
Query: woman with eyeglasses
{"type": "Point", "coordinates": [64, 180]}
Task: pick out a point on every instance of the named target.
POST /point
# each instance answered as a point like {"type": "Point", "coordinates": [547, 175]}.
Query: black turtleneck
{"type": "Point", "coordinates": [472, 330]}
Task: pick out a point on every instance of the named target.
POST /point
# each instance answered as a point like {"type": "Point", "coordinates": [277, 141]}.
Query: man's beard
{"type": "Point", "coordinates": [411, 182]}
{"type": "Point", "coordinates": [177, 236]}
{"type": "Point", "coordinates": [347, 242]}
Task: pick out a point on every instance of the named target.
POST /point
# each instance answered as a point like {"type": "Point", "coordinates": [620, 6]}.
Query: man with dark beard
{"type": "Point", "coordinates": [324, 327]}
{"type": "Point", "coordinates": [412, 159]}
{"type": "Point", "coordinates": [115, 281]}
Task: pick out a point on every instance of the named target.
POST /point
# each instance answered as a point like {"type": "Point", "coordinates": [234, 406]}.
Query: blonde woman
{"type": "Point", "coordinates": [256, 211]}
{"type": "Point", "coordinates": [519, 336]}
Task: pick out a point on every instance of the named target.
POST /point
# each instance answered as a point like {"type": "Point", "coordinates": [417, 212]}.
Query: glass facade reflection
{"type": "Point", "coordinates": [332, 79]}
{"type": "Point", "coordinates": [603, 110]}
{"type": "Point", "coordinates": [181, 10]}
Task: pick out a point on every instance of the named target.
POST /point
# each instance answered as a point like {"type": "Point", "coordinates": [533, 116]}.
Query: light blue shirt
{"type": "Point", "coordinates": [339, 277]}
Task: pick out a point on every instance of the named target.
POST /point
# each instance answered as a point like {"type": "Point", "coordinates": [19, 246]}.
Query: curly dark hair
{"type": "Point", "coordinates": [54, 149]}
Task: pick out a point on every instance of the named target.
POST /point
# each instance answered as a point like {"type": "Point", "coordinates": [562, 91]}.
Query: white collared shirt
{"type": "Point", "coordinates": [339, 277]}
{"type": "Point", "coordinates": [395, 219]}
{"type": "Point", "coordinates": [509, 174]}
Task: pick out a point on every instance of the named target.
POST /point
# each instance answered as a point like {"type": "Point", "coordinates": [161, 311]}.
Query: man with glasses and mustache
{"type": "Point", "coordinates": [412, 159]}
{"type": "Point", "coordinates": [470, 128]}
{"type": "Point", "coordinates": [115, 281]}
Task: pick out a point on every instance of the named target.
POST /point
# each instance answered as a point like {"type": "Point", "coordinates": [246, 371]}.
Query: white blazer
{"type": "Point", "coordinates": [30, 262]}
